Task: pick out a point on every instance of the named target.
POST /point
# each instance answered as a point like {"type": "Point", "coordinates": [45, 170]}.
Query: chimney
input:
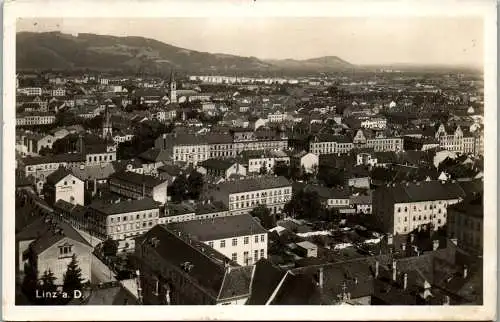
{"type": "Point", "coordinates": [435, 244]}
{"type": "Point", "coordinates": [405, 281]}
{"type": "Point", "coordinates": [466, 271]}
{"type": "Point", "coordinates": [394, 270]}
{"type": "Point", "coordinates": [321, 277]}
{"type": "Point", "coordinates": [377, 268]}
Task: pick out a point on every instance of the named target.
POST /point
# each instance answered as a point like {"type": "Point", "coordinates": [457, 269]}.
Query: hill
{"type": "Point", "coordinates": [55, 50]}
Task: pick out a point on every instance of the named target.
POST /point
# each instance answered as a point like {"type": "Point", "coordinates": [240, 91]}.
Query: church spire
{"type": "Point", "coordinates": [173, 87]}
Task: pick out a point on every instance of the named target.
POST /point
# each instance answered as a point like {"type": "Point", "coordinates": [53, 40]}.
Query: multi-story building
{"type": "Point", "coordinates": [32, 143]}
{"type": "Point", "coordinates": [30, 91]}
{"type": "Point", "coordinates": [59, 92]}
{"type": "Point", "coordinates": [374, 123]}
{"type": "Point", "coordinates": [224, 168]}
{"type": "Point", "coordinates": [35, 118]}
{"type": "Point", "coordinates": [122, 220]}
{"type": "Point", "coordinates": [465, 224]}
{"type": "Point", "coordinates": [255, 160]}
{"type": "Point", "coordinates": [276, 116]}
{"type": "Point", "coordinates": [176, 269]}
{"type": "Point", "coordinates": [402, 208]}
{"type": "Point", "coordinates": [196, 148]}
{"type": "Point", "coordinates": [64, 185]}
{"type": "Point", "coordinates": [330, 144]}
{"type": "Point", "coordinates": [136, 186]}
{"type": "Point", "coordinates": [242, 195]}
{"type": "Point", "coordinates": [458, 140]}
{"type": "Point", "coordinates": [240, 238]}
{"type": "Point", "coordinates": [40, 167]}
{"type": "Point", "coordinates": [385, 144]}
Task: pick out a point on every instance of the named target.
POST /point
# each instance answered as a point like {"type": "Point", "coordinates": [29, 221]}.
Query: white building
{"type": "Point", "coordinates": [240, 238]}
{"type": "Point", "coordinates": [243, 195]}
{"type": "Point", "coordinates": [64, 185]}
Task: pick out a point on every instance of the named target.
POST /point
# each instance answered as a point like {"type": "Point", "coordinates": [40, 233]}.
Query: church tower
{"type": "Point", "coordinates": [107, 126]}
{"type": "Point", "coordinates": [173, 88]}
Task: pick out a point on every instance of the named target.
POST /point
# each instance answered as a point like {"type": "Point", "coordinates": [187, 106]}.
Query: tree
{"type": "Point", "coordinates": [304, 204]}
{"type": "Point", "coordinates": [109, 247]}
{"type": "Point", "coordinates": [48, 281]}
{"type": "Point", "coordinates": [73, 277]}
{"type": "Point", "coordinates": [30, 280]}
{"type": "Point", "coordinates": [267, 219]}
{"type": "Point", "coordinates": [195, 184]}
{"type": "Point", "coordinates": [281, 169]}
{"type": "Point", "coordinates": [263, 170]}
{"type": "Point", "coordinates": [179, 188]}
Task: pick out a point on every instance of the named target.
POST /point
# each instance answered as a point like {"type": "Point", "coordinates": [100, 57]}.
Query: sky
{"type": "Point", "coordinates": [358, 40]}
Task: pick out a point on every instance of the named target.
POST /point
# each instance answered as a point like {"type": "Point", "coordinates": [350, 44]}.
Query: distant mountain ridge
{"type": "Point", "coordinates": [55, 50]}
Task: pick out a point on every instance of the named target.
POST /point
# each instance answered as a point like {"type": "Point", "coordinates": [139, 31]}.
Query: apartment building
{"type": "Point", "coordinates": [457, 140]}
{"type": "Point", "coordinates": [330, 144]}
{"type": "Point", "coordinates": [176, 269]}
{"type": "Point", "coordinates": [242, 195]}
{"type": "Point", "coordinates": [257, 159]}
{"type": "Point", "coordinates": [405, 207]}
{"type": "Point", "coordinates": [30, 91]}
{"type": "Point", "coordinates": [34, 118]}
{"type": "Point", "coordinates": [122, 220]}
{"type": "Point", "coordinates": [465, 224]}
{"type": "Point", "coordinates": [196, 148]}
{"type": "Point", "coordinates": [137, 186]}
{"type": "Point", "coordinates": [240, 238]}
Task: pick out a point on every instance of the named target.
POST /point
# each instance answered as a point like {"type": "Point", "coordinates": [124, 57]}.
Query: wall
{"type": "Point", "coordinates": [71, 187]}
{"type": "Point", "coordinates": [241, 247]}
{"type": "Point", "coordinates": [51, 259]}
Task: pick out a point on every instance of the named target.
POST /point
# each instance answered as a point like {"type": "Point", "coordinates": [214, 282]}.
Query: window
{"type": "Point", "coordinates": [235, 242]}
{"type": "Point", "coordinates": [222, 243]}
{"type": "Point", "coordinates": [124, 218]}
{"type": "Point", "coordinates": [256, 255]}
{"type": "Point", "coordinates": [245, 240]}
{"type": "Point", "coordinates": [262, 253]}
{"type": "Point", "coordinates": [65, 183]}
{"type": "Point", "coordinates": [399, 209]}
{"type": "Point", "coordinates": [234, 257]}
{"type": "Point", "coordinates": [439, 210]}
{"type": "Point", "coordinates": [256, 238]}
{"type": "Point", "coordinates": [137, 217]}
{"type": "Point", "coordinates": [245, 257]}
{"type": "Point", "coordinates": [65, 250]}
{"type": "Point", "coordinates": [211, 244]}
{"type": "Point", "coordinates": [262, 238]}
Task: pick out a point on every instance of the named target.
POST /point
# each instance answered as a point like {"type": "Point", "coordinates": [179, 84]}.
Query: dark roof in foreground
{"type": "Point", "coordinates": [423, 191]}
{"type": "Point", "coordinates": [219, 227]}
{"type": "Point", "coordinates": [208, 265]}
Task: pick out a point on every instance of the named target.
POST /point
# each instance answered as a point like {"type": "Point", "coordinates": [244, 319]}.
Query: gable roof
{"type": "Point", "coordinates": [58, 175]}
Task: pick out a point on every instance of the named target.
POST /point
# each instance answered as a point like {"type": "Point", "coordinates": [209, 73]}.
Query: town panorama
{"type": "Point", "coordinates": [278, 183]}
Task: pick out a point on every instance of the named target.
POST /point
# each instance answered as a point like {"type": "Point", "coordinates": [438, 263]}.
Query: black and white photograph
{"type": "Point", "coordinates": [250, 160]}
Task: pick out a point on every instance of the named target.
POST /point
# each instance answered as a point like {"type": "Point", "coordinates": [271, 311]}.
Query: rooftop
{"type": "Point", "coordinates": [111, 208]}
{"type": "Point", "coordinates": [220, 227]}
{"type": "Point", "coordinates": [253, 184]}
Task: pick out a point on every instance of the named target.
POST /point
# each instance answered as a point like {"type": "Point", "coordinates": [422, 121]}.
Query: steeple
{"type": "Point", "coordinates": [107, 126]}
{"type": "Point", "coordinates": [173, 87]}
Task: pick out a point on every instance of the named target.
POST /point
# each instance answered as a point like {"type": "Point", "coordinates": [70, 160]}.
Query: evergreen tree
{"type": "Point", "coordinates": [195, 184]}
{"type": "Point", "coordinates": [73, 277]}
{"type": "Point", "coordinates": [48, 280]}
{"type": "Point", "coordinates": [30, 280]}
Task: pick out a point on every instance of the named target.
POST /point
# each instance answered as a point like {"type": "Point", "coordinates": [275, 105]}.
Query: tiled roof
{"type": "Point", "coordinates": [58, 175]}
{"type": "Point", "coordinates": [220, 227]}
{"type": "Point", "coordinates": [55, 232]}
{"type": "Point", "coordinates": [136, 178]}
{"type": "Point", "coordinates": [58, 158]}
{"type": "Point", "coordinates": [236, 283]}
{"type": "Point", "coordinates": [253, 184]}
{"type": "Point", "coordinates": [212, 207]}
{"type": "Point", "coordinates": [207, 264]}
{"type": "Point", "coordinates": [266, 278]}
{"type": "Point", "coordinates": [94, 172]}
{"type": "Point", "coordinates": [422, 191]}
{"type": "Point", "coordinates": [218, 164]}
{"type": "Point", "coordinates": [108, 208]}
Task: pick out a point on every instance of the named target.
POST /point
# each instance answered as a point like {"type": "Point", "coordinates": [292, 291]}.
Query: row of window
{"type": "Point", "coordinates": [118, 228]}
{"type": "Point", "coordinates": [263, 194]}
{"type": "Point", "coordinates": [246, 256]}
{"type": "Point", "coordinates": [137, 216]}
{"type": "Point", "coordinates": [234, 241]}
{"type": "Point", "coordinates": [425, 207]}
